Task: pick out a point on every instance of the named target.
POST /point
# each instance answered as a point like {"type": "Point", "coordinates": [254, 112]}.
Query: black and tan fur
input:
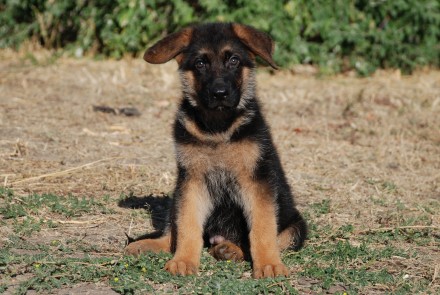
{"type": "Point", "coordinates": [231, 192]}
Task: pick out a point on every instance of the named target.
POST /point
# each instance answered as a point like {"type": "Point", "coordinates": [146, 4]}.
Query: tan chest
{"type": "Point", "coordinates": [240, 157]}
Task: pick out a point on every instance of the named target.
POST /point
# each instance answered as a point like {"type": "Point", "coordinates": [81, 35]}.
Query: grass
{"type": "Point", "coordinates": [27, 214]}
{"type": "Point", "coordinates": [334, 259]}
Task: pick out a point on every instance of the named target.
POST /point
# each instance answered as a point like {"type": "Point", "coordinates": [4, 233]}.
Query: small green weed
{"type": "Point", "coordinates": [389, 186]}
{"type": "Point", "coordinates": [322, 207]}
{"type": "Point", "coordinates": [386, 186]}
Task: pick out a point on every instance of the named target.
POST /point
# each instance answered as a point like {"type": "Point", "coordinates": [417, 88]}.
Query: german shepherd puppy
{"type": "Point", "coordinates": [231, 193]}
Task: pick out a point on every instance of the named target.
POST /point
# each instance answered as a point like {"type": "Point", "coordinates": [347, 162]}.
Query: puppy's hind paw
{"type": "Point", "coordinates": [227, 251]}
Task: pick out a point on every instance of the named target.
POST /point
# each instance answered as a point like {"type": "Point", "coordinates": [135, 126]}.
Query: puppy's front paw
{"type": "Point", "coordinates": [270, 271]}
{"type": "Point", "coordinates": [181, 267]}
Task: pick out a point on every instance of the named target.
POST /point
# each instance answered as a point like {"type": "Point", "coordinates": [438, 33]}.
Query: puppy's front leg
{"type": "Point", "coordinates": [261, 213]}
{"type": "Point", "coordinates": [192, 206]}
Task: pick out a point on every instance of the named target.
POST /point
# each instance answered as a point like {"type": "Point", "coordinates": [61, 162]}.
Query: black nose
{"type": "Point", "coordinates": [220, 92]}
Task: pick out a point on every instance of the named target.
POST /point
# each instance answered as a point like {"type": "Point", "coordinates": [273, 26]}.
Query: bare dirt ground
{"type": "Point", "coordinates": [367, 146]}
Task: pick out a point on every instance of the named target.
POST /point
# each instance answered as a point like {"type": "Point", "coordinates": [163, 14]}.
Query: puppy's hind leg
{"type": "Point", "coordinates": [161, 244]}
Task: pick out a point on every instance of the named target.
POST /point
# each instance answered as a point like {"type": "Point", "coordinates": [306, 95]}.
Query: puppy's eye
{"type": "Point", "coordinates": [234, 61]}
{"type": "Point", "coordinates": [200, 64]}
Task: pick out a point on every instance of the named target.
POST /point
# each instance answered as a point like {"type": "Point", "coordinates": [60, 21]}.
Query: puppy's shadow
{"type": "Point", "coordinates": [159, 208]}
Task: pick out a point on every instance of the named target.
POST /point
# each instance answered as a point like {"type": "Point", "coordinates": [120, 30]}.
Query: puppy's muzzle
{"type": "Point", "coordinates": [220, 93]}
{"type": "Point", "coordinates": [220, 96]}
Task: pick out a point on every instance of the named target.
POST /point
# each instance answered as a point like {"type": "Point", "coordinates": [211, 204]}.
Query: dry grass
{"type": "Point", "coordinates": [371, 147]}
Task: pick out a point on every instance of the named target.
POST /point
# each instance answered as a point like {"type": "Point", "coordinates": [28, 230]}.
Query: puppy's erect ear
{"type": "Point", "coordinates": [169, 47]}
{"type": "Point", "coordinates": [258, 42]}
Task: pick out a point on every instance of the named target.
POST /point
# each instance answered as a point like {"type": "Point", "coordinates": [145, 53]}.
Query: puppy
{"type": "Point", "coordinates": [231, 192]}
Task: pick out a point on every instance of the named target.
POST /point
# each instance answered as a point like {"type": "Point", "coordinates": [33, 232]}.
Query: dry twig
{"type": "Point", "coordinates": [67, 171]}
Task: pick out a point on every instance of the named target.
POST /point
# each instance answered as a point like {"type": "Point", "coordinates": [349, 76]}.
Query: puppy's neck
{"type": "Point", "coordinates": [213, 126]}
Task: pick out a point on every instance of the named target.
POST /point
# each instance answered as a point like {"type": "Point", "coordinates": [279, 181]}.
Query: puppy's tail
{"type": "Point", "coordinates": [158, 206]}
{"type": "Point", "coordinates": [153, 235]}
{"type": "Point", "coordinates": [294, 236]}
{"type": "Point", "coordinates": [299, 230]}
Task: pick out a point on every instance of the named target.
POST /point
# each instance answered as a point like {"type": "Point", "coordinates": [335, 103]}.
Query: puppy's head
{"type": "Point", "coordinates": [216, 62]}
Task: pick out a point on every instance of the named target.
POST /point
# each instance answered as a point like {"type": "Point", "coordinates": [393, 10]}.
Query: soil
{"type": "Point", "coordinates": [365, 145]}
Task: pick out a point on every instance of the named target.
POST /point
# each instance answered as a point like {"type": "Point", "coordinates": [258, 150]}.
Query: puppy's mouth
{"type": "Point", "coordinates": [222, 105]}
{"type": "Point", "coordinates": [221, 108]}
